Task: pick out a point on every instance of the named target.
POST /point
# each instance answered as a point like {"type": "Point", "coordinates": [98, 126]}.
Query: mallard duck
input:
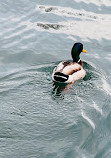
{"type": "Point", "coordinates": [69, 72]}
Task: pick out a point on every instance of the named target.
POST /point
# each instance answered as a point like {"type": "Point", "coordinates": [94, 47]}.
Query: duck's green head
{"type": "Point", "coordinates": [76, 50]}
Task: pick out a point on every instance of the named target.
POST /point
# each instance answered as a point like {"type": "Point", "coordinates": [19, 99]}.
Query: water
{"type": "Point", "coordinates": [42, 120]}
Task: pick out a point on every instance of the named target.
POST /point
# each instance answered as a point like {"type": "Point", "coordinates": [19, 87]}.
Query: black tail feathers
{"type": "Point", "coordinates": [60, 77]}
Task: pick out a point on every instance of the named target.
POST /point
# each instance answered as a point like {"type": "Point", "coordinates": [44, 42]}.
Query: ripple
{"type": "Point", "coordinates": [65, 11]}
{"type": "Point", "coordinates": [23, 77]}
{"type": "Point", "coordinates": [50, 121]}
{"type": "Point", "coordinates": [106, 86]}
{"type": "Point", "coordinates": [91, 72]}
{"type": "Point", "coordinates": [50, 26]}
{"type": "Point", "coordinates": [97, 108]}
{"type": "Point", "coordinates": [88, 120]}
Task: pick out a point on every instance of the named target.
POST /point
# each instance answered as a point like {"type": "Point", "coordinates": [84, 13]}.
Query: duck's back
{"type": "Point", "coordinates": [61, 66]}
{"type": "Point", "coordinates": [68, 68]}
{"type": "Point", "coordinates": [71, 68]}
{"type": "Point", "coordinates": [69, 71]}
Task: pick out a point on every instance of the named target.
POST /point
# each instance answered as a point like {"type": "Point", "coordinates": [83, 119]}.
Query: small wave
{"type": "Point", "coordinates": [50, 26]}
{"type": "Point", "coordinates": [97, 108]}
{"type": "Point", "coordinates": [91, 72]}
{"type": "Point", "coordinates": [25, 76]}
{"type": "Point", "coordinates": [88, 120]}
{"type": "Point", "coordinates": [50, 9]}
{"type": "Point", "coordinates": [106, 86]}
{"type": "Point", "coordinates": [65, 11]}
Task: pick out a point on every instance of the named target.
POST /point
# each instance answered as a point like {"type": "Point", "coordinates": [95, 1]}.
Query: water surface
{"type": "Point", "coordinates": [37, 118]}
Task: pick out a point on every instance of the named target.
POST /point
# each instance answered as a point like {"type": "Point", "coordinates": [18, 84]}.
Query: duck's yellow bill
{"type": "Point", "coordinates": [84, 51]}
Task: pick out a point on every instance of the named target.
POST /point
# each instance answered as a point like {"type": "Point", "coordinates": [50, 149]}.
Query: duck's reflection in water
{"type": "Point", "coordinates": [59, 89]}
